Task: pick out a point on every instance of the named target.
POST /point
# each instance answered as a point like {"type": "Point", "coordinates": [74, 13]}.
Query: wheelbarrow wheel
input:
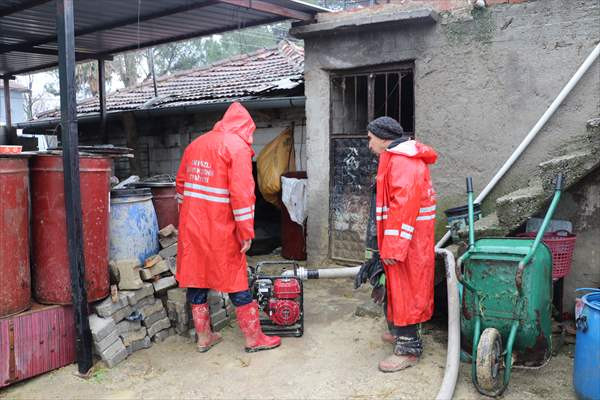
{"type": "Point", "coordinates": [489, 360]}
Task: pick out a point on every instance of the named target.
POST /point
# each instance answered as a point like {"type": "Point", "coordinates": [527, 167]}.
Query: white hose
{"type": "Point", "coordinates": [453, 352]}
{"type": "Point", "coordinates": [534, 131]}
{"type": "Point", "coordinates": [304, 273]}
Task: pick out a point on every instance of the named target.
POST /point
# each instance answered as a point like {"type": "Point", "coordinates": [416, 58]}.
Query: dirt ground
{"type": "Point", "coordinates": [335, 359]}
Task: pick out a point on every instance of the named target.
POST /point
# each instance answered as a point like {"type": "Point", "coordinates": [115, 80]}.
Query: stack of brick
{"type": "Point", "coordinates": [131, 323]}
{"type": "Point", "coordinates": [160, 268]}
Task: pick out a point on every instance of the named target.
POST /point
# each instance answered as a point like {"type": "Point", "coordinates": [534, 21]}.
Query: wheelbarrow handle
{"type": "Point", "coordinates": [469, 184]}
{"type": "Point", "coordinates": [559, 182]}
{"type": "Point", "coordinates": [538, 238]}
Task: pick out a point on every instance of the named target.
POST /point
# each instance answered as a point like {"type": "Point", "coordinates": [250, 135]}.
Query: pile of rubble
{"type": "Point", "coordinates": [146, 306]}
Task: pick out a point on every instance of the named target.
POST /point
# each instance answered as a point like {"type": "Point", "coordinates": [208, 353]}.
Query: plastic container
{"type": "Point", "coordinates": [586, 372]}
{"type": "Point", "coordinates": [293, 235]}
{"type": "Point", "coordinates": [50, 267]}
{"type": "Point", "coordinates": [164, 200]}
{"type": "Point", "coordinates": [561, 245]}
{"type": "Point", "coordinates": [133, 225]}
{"type": "Point", "coordinates": [15, 276]}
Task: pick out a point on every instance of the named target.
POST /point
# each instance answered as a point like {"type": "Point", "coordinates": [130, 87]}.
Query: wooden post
{"type": "Point", "coordinates": [70, 143]}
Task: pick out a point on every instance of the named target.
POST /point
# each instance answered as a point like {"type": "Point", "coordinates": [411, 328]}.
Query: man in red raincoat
{"type": "Point", "coordinates": [405, 215]}
{"type": "Point", "coordinates": [215, 189]}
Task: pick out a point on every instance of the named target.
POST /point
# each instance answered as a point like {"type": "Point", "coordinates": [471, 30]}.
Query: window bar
{"type": "Point", "coordinates": [370, 97]}
{"type": "Point", "coordinates": [355, 98]}
{"type": "Point", "coordinates": [344, 104]}
{"type": "Point", "coordinates": [400, 98]}
{"type": "Point", "coordinates": [386, 94]}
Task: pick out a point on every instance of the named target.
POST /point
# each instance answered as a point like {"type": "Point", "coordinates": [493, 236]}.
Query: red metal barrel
{"type": "Point", "coordinates": [293, 235]}
{"type": "Point", "coordinates": [165, 203]}
{"type": "Point", "coordinates": [15, 278]}
{"type": "Point", "coordinates": [52, 279]}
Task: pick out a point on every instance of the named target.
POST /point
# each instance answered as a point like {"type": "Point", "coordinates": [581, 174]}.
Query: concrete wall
{"type": "Point", "coordinates": [482, 79]}
{"type": "Point", "coordinates": [162, 140]}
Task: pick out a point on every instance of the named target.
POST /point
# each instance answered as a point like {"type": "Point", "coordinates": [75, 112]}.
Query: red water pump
{"type": "Point", "coordinates": [280, 300]}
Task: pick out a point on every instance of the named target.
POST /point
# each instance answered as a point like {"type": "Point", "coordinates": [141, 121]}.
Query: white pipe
{"type": "Point", "coordinates": [304, 273]}
{"type": "Point", "coordinates": [348, 272]}
{"type": "Point", "coordinates": [534, 131]}
{"type": "Point", "coordinates": [453, 352]}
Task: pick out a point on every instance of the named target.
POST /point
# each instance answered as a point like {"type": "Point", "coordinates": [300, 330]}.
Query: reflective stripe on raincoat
{"type": "Point", "coordinates": [405, 214]}
{"type": "Point", "coordinates": [216, 190]}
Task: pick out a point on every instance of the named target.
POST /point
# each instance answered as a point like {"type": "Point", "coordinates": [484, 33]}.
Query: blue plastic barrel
{"type": "Point", "coordinates": [586, 374]}
{"type": "Point", "coordinates": [133, 225]}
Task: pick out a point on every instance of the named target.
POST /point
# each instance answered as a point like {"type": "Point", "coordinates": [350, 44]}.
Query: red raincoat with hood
{"type": "Point", "coordinates": [216, 190]}
{"type": "Point", "coordinates": [405, 230]}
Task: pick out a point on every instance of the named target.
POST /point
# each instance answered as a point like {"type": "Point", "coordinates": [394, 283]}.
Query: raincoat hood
{"type": "Point", "coordinates": [414, 149]}
{"type": "Point", "coordinates": [237, 120]}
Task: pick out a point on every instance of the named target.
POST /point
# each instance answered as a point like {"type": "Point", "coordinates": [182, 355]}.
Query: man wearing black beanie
{"type": "Point", "coordinates": [405, 220]}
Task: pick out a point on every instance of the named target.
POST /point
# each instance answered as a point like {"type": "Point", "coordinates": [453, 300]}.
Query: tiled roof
{"type": "Point", "coordinates": [263, 73]}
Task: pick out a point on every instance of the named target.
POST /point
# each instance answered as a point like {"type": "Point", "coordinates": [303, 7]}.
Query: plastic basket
{"type": "Point", "coordinates": [561, 245]}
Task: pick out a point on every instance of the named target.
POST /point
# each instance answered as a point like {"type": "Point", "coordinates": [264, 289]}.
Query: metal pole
{"type": "Point", "coordinates": [68, 108]}
{"type": "Point", "coordinates": [7, 102]}
{"type": "Point", "coordinates": [102, 99]}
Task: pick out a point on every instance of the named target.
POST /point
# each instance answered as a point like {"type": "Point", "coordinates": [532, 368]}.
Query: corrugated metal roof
{"type": "Point", "coordinates": [28, 34]}
{"type": "Point", "coordinates": [263, 73]}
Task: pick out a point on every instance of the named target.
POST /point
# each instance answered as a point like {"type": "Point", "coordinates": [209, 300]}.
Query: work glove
{"type": "Point", "coordinates": [379, 292]}
{"type": "Point", "coordinates": [368, 269]}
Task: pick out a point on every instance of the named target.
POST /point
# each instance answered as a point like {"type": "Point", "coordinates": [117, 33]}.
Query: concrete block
{"type": "Point", "coordinates": [129, 274]}
{"type": "Point", "coordinates": [172, 261]}
{"type": "Point", "coordinates": [220, 324]}
{"type": "Point", "coordinates": [159, 267]}
{"type": "Point", "coordinates": [101, 327]}
{"type": "Point", "coordinates": [165, 283]}
{"type": "Point", "coordinates": [574, 166]}
{"type": "Point", "coordinates": [103, 344]}
{"type": "Point", "coordinates": [171, 312]}
{"type": "Point", "coordinates": [137, 345]}
{"type": "Point", "coordinates": [170, 251]}
{"type": "Point", "coordinates": [114, 354]}
{"type": "Point", "coordinates": [130, 337]}
{"type": "Point", "coordinates": [177, 295]}
{"type": "Point", "coordinates": [146, 301]}
{"type": "Point", "coordinates": [146, 274]}
{"type": "Point", "coordinates": [122, 313]}
{"type": "Point", "coordinates": [167, 231]}
{"type": "Point", "coordinates": [162, 335]}
{"type": "Point", "coordinates": [133, 296]}
{"type": "Point", "coordinates": [167, 241]}
{"type": "Point", "coordinates": [150, 261]}
{"type": "Point", "coordinates": [106, 308]}
{"type": "Point", "coordinates": [153, 308]}
{"type": "Point", "coordinates": [125, 326]}
{"type": "Point", "coordinates": [159, 326]}
{"type": "Point", "coordinates": [218, 316]}
{"type": "Point", "coordinates": [150, 320]}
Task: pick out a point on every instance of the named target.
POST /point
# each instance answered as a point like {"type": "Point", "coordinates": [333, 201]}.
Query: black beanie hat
{"type": "Point", "coordinates": [385, 128]}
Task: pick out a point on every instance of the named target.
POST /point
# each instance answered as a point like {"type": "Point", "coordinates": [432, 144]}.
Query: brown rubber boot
{"type": "Point", "coordinates": [206, 337]}
{"type": "Point", "coordinates": [256, 340]}
{"type": "Point", "coordinates": [396, 363]}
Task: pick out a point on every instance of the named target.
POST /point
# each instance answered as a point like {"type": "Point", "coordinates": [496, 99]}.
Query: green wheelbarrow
{"type": "Point", "coordinates": [506, 302]}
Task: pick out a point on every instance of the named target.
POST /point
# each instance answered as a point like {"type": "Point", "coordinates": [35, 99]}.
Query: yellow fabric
{"type": "Point", "coordinates": [275, 159]}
